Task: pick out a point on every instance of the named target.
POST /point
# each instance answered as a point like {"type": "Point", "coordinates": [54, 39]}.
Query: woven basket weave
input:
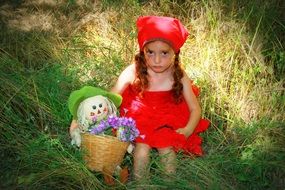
{"type": "Point", "coordinates": [103, 153]}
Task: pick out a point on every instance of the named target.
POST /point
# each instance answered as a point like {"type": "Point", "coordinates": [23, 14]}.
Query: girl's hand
{"type": "Point", "coordinates": [185, 131]}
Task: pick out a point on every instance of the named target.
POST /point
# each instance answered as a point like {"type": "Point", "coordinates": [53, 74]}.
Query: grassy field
{"type": "Point", "coordinates": [235, 54]}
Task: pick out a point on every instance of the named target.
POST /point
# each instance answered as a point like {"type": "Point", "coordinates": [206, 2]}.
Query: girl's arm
{"type": "Point", "coordinates": [125, 78]}
{"type": "Point", "coordinates": [193, 105]}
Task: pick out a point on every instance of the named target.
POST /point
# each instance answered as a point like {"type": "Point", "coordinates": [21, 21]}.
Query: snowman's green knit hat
{"type": "Point", "coordinates": [77, 96]}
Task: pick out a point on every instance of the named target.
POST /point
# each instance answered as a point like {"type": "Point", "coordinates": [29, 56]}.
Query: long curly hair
{"type": "Point", "coordinates": [141, 82]}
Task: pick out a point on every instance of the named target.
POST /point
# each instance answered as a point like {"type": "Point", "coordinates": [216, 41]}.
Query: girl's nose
{"type": "Point", "coordinates": [157, 59]}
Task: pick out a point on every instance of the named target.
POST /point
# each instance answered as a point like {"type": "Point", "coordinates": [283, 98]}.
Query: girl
{"type": "Point", "coordinates": [158, 94]}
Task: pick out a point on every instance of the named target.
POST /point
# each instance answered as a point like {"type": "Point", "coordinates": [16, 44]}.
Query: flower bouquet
{"type": "Point", "coordinates": [124, 128]}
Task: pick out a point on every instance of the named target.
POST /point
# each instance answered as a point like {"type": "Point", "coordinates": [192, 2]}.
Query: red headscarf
{"type": "Point", "coordinates": [170, 30]}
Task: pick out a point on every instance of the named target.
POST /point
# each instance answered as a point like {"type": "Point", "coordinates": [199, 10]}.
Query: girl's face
{"type": "Point", "coordinates": [159, 56]}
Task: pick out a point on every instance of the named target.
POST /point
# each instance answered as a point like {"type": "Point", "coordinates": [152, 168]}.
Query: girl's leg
{"type": "Point", "coordinates": [141, 160]}
{"type": "Point", "coordinates": [168, 159]}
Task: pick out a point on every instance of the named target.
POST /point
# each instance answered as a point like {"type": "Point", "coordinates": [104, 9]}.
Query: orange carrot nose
{"type": "Point", "coordinates": [98, 112]}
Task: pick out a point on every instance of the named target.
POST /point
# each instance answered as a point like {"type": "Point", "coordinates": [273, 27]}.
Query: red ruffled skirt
{"type": "Point", "coordinates": [157, 117]}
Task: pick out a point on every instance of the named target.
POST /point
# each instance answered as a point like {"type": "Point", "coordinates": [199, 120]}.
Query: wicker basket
{"type": "Point", "coordinates": [103, 153]}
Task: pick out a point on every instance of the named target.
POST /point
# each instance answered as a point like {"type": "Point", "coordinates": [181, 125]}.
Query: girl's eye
{"type": "Point", "coordinates": [164, 53]}
{"type": "Point", "coordinates": [94, 107]}
{"type": "Point", "coordinates": [149, 52]}
{"type": "Point", "coordinates": [100, 105]}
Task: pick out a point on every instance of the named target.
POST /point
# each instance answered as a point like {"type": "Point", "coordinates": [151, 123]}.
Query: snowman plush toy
{"type": "Point", "coordinates": [89, 105]}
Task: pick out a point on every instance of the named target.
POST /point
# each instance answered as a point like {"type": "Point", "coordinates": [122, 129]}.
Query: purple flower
{"type": "Point", "coordinates": [125, 126]}
{"type": "Point", "coordinates": [113, 121]}
{"type": "Point", "coordinates": [101, 127]}
{"type": "Point", "coordinates": [127, 130]}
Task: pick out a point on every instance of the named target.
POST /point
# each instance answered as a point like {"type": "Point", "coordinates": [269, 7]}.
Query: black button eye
{"type": "Point", "coordinates": [100, 105]}
{"type": "Point", "coordinates": [94, 107]}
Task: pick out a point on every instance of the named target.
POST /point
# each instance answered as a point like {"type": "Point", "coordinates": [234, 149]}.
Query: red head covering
{"type": "Point", "coordinates": [168, 29]}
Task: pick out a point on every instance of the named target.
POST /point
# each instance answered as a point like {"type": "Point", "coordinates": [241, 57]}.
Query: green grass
{"type": "Point", "coordinates": [235, 53]}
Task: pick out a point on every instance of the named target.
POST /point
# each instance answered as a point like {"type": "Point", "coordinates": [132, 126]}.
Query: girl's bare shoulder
{"type": "Point", "coordinates": [131, 68]}
{"type": "Point", "coordinates": [126, 77]}
{"type": "Point", "coordinates": [185, 79]}
{"type": "Point", "coordinates": [129, 73]}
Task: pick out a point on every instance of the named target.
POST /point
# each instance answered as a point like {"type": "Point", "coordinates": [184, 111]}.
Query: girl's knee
{"type": "Point", "coordinates": [166, 150]}
{"type": "Point", "coordinates": [142, 150]}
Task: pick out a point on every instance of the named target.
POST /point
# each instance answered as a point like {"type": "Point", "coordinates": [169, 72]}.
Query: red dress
{"type": "Point", "coordinates": [157, 117]}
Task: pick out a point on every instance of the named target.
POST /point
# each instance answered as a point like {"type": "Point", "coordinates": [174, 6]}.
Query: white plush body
{"type": "Point", "coordinates": [91, 109]}
{"type": "Point", "coordinates": [75, 137]}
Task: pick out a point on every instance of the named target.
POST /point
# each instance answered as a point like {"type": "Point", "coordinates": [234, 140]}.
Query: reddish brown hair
{"type": "Point", "coordinates": [141, 81]}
